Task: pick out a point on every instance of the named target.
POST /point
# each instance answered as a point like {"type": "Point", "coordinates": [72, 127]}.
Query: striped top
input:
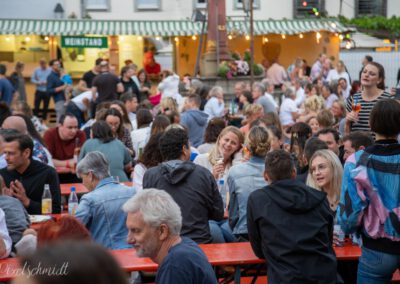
{"type": "Point", "coordinates": [366, 107]}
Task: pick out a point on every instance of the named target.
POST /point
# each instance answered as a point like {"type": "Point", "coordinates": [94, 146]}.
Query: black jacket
{"type": "Point", "coordinates": [195, 191]}
{"type": "Point", "coordinates": [290, 225]}
{"type": "Point", "coordinates": [33, 179]}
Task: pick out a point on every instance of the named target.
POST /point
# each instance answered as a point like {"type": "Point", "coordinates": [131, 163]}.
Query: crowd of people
{"type": "Point", "coordinates": [296, 160]}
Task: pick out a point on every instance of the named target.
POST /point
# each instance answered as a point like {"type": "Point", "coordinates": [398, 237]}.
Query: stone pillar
{"type": "Point", "coordinates": [216, 50]}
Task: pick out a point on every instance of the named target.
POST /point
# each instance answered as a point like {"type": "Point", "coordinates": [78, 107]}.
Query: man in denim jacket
{"type": "Point", "coordinates": [100, 209]}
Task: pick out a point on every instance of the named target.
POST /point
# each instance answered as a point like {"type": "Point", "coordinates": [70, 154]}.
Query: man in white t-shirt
{"type": "Point", "coordinates": [79, 105]}
{"type": "Point", "coordinates": [288, 111]}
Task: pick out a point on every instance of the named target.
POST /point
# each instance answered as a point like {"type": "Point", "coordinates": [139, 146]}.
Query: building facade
{"type": "Point", "coordinates": [33, 29]}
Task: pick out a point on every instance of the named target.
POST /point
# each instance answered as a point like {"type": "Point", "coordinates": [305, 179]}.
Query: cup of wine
{"type": "Point", "coordinates": [356, 107]}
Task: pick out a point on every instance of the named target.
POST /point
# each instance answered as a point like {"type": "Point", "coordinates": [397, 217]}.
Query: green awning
{"type": "Point", "coordinates": [162, 28]}
{"type": "Point", "coordinates": [288, 27]}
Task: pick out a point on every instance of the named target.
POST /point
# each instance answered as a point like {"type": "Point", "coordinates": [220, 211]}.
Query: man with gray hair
{"type": "Point", "coordinates": [100, 209]}
{"type": "Point", "coordinates": [258, 91]}
{"type": "Point", "coordinates": [269, 91]}
{"type": "Point", "coordinates": [154, 223]}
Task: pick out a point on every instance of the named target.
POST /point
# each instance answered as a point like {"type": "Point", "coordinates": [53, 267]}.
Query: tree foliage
{"type": "Point", "coordinates": [377, 23]}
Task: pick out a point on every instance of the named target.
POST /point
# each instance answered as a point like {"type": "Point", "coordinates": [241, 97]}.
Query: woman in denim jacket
{"type": "Point", "coordinates": [370, 197]}
{"type": "Point", "coordinates": [244, 178]}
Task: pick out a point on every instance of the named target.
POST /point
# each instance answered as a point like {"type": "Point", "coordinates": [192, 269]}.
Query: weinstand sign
{"type": "Point", "coordinates": [84, 42]}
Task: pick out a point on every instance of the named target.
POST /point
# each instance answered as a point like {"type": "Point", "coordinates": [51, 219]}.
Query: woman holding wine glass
{"type": "Point", "coordinates": [223, 155]}
{"type": "Point", "coordinates": [360, 104]}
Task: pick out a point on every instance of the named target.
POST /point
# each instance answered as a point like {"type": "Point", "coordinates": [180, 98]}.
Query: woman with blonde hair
{"type": "Point", "coordinates": [312, 106]}
{"type": "Point", "coordinates": [246, 177]}
{"type": "Point", "coordinates": [252, 112]}
{"type": "Point", "coordinates": [225, 152]}
{"type": "Point", "coordinates": [168, 105]}
{"type": "Point", "coordinates": [325, 174]}
{"type": "Point", "coordinates": [218, 161]}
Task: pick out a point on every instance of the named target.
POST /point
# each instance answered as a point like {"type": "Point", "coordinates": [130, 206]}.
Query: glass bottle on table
{"type": "Point", "coordinates": [46, 201]}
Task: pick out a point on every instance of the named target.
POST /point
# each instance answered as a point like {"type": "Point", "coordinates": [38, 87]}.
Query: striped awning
{"type": "Point", "coordinates": [161, 28]}
{"type": "Point", "coordinates": [288, 27]}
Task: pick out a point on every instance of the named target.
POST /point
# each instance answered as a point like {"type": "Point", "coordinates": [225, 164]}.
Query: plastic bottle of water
{"type": "Point", "coordinates": [72, 202]}
{"type": "Point", "coordinates": [222, 190]}
{"type": "Point", "coordinates": [46, 200]}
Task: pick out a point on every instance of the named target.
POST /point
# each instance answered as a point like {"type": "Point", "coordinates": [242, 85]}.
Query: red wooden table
{"type": "Point", "coordinates": [80, 188]}
{"type": "Point", "coordinates": [218, 254]}
{"type": "Point", "coordinates": [66, 188]}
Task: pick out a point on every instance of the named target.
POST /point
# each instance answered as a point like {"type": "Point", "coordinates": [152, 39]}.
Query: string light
{"type": "Point", "coordinates": [27, 38]}
{"type": "Point", "coordinates": [7, 39]}
{"type": "Point", "coordinates": [176, 39]}
{"type": "Point", "coordinates": [140, 38]}
{"type": "Point", "coordinates": [341, 37]}
{"type": "Point", "coordinates": [247, 37]}
{"type": "Point", "coordinates": [158, 38]}
{"type": "Point", "coordinates": [46, 38]}
{"type": "Point", "coordinates": [265, 39]}
{"type": "Point", "coordinates": [318, 36]}
{"type": "Point", "coordinates": [194, 37]}
{"type": "Point", "coordinates": [283, 36]}
{"type": "Point", "coordinates": [301, 35]}
{"type": "Point", "coordinates": [333, 25]}
{"type": "Point", "coordinates": [230, 37]}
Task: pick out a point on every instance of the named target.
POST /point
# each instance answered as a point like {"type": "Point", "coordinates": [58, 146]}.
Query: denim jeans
{"type": "Point", "coordinates": [376, 267]}
{"type": "Point", "coordinates": [221, 232]}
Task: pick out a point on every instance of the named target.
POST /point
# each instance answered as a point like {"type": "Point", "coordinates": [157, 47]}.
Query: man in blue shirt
{"type": "Point", "coordinates": [39, 78]}
{"type": "Point", "coordinates": [56, 87]}
{"type": "Point", "coordinates": [154, 223]}
{"type": "Point", "coordinates": [100, 209]}
{"type": "Point", "coordinates": [6, 89]}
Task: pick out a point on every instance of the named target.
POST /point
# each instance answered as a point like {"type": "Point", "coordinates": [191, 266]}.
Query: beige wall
{"type": "Point", "coordinates": [290, 48]}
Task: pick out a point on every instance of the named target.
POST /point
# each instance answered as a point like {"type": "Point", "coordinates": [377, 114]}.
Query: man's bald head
{"type": "Point", "coordinates": [15, 122]}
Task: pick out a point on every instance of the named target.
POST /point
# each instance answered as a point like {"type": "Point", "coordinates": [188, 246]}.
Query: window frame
{"type": "Point", "coordinates": [143, 9]}
{"type": "Point", "coordinates": [239, 5]}
{"type": "Point", "coordinates": [201, 6]}
{"type": "Point", "coordinates": [94, 9]}
{"type": "Point", "coordinates": [383, 9]}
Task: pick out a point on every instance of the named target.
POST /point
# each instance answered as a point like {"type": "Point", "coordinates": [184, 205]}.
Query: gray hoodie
{"type": "Point", "coordinates": [196, 122]}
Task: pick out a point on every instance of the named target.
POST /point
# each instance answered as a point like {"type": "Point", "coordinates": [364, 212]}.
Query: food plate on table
{"type": "Point", "coordinates": [39, 218]}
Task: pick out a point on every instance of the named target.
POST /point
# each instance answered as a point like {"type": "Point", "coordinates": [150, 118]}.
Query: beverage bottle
{"type": "Point", "coordinates": [222, 189]}
{"type": "Point", "coordinates": [76, 151]}
{"type": "Point", "coordinates": [72, 202]}
{"type": "Point", "coordinates": [46, 200]}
